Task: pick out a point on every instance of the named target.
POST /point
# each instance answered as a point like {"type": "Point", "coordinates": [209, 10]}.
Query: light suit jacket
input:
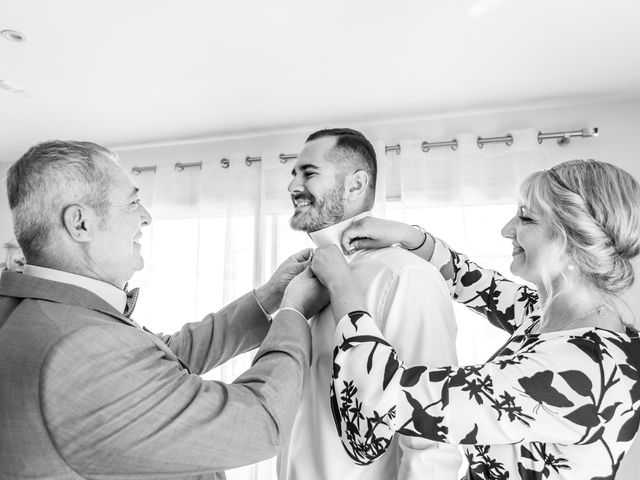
{"type": "Point", "coordinates": [85, 394]}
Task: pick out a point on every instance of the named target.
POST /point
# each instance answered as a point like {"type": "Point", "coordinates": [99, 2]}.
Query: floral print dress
{"type": "Point", "coordinates": [559, 405]}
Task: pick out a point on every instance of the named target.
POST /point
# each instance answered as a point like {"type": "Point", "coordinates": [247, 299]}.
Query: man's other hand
{"type": "Point", "coordinates": [270, 294]}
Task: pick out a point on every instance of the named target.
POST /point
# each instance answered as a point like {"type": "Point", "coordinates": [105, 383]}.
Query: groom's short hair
{"type": "Point", "coordinates": [355, 152]}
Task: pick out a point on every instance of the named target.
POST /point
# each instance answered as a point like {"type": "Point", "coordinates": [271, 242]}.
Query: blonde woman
{"type": "Point", "coordinates": [560, 400]}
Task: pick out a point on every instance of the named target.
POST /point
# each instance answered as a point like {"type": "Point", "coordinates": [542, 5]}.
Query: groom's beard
{"type": "Point", "coordinates": [322, 212]}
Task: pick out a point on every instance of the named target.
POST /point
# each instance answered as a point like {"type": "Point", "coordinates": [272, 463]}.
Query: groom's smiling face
{"type": "Point", "coordinates": [317, 187]}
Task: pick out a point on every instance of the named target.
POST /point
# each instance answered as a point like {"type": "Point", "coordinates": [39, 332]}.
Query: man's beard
{"type": "Point", "coordinates": [322, 212]}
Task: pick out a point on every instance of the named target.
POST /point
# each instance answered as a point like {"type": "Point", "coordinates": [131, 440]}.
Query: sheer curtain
{"type": "Point", "coordinates": [464, 196]}
{"type": "Point", "coordinates": [219, 232]}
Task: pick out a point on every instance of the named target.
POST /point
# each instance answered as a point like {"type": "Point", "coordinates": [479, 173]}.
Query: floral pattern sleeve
{"type": "Point", "coordinates": [504, 303]}
{"type": "Point", "coordinates": [546, 395]}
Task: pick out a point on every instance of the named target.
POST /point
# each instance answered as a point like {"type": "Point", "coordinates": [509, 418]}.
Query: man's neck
{"type": "Point", "coordinates": [333, 235]}
{"type": "Point", "coordinates": [75, 263]}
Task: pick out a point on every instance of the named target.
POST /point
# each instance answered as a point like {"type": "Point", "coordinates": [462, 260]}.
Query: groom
{"type": "Point", "coordinates": [333, 185]}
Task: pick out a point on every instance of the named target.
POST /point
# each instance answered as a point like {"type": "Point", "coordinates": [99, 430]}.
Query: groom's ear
{"type": "Point", "coordinates": [356, 185]}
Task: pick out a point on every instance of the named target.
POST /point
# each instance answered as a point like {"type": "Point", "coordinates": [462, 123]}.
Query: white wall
{"type": "Point", "coordinates": [618, 123]}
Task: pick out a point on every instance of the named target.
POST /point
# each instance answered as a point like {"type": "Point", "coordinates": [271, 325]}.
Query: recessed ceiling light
{"type": "Point", "coordinates": [13, 88]}
{"type": "Point", "coordinates": [13, 35]}
{"type": "Point", "coordinates": [10, 87]}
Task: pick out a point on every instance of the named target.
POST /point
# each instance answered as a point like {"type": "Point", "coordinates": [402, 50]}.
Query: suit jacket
{"type": "Point", "coordinates": [85, 394]}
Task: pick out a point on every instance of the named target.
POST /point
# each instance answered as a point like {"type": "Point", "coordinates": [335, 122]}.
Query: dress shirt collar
{"type": "Point", "coordinates": [333, 234]}
{"type": "Point", "coordinates": [112, 295]}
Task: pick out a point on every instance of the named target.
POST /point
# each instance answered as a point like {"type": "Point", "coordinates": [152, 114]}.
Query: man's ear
{"type": "Point", "coordinates": [79, 222]}
{"type": "Point", "coordinates": [356, 185]}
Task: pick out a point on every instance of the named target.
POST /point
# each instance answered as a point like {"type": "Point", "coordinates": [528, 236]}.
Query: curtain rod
{"type": "Point", "coordinates": [563, 138]}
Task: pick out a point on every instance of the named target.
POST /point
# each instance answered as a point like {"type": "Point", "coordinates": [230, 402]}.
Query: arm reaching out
{"type": "Point", "coordinates": [372, 232]}
{"type": "Point", "coordinates": [554, 389]}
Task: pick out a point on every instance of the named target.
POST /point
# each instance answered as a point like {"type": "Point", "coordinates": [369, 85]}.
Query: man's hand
{"type": "Point", "coordinates": [270, 294]}
{"type": "Point", "coordinates": [332, 270]}
{"type": "Point", "coordinates": [306, 294]}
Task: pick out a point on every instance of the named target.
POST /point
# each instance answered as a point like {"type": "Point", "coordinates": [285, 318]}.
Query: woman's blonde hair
{"type": "Point", "coordinates": [594, 211]}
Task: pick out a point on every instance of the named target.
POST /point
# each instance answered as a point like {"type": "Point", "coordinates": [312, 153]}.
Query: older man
{"type": "Point", "coordinates": [84, 391]}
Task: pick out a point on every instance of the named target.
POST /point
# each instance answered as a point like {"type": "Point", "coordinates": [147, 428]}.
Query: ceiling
{"type": "Point", "coordinates": [124, 72]}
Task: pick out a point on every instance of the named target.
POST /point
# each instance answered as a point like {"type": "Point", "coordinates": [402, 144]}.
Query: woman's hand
{"type": "Point", "coordinates": [306, 294]}
{"type": "Point", "coordinates": [329, 266]}
{"type": "Point", "coordinates": [372, 232]}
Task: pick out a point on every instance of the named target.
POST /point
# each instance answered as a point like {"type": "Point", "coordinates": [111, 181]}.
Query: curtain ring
{"type": "Point", "coordinates": [249, 160]}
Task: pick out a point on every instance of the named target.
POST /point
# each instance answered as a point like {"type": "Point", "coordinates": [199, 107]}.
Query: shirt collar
{"type": "Point", "coordinates": [333, 235]}
{"type": "Point", "coordinates": [112, 295]}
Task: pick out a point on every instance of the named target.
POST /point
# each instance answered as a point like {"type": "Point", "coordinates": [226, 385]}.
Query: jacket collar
{"type": "Point", "coordinates": [17, 285]}
{"type": "Point", "coordinates": [113, 295]}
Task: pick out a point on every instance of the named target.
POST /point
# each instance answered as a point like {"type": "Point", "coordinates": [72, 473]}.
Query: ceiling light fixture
{"type": "Point", "coordinates": [13, 88]}
{"type": "Point", "coordinates": [10, 87]}
{"type": "Point", "coordinates": [13, 35]}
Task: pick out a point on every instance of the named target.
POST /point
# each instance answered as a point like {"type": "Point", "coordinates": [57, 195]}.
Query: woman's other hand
{"type": "Point", "coordinates": [372, 232]}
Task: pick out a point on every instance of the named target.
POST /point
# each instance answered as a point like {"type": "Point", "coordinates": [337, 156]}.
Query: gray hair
{"type": "Point", "coordinates": [594, 211]}
{"type": "Point", "coordinates": [50, 176]}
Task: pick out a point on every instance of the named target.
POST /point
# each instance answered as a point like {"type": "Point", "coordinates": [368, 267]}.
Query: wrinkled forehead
{"type": "Point", "coordinates": [121, 181]}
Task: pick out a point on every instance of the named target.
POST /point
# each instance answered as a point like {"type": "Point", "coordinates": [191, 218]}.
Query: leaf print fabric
{"type": "Point", "coordinates": [555, 405]}
{"type": "Point", "coordinates": [504, 303]}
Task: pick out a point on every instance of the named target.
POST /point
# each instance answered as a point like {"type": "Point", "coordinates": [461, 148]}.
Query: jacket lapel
{"type": "Point", "coordinates": [20, 286]}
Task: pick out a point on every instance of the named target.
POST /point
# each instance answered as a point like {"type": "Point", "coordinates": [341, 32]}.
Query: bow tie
{"type": "Point", "coordinates": [132, 298]}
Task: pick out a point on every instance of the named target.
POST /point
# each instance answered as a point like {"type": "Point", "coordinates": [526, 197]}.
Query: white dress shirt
{"type": "Point", "coordinates": [112, 295]}
{"type": "Point", "coordinates": [409, 301]}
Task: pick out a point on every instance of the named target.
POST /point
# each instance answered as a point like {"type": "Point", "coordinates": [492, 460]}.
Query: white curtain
{"type": "Point", "coordinates": [464, 196]}
{"type": "Point", "coordinates": [219, 232]}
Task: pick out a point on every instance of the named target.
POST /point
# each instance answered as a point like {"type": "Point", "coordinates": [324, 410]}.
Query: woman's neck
{"type": "Point", "coordinates": [578, 307]}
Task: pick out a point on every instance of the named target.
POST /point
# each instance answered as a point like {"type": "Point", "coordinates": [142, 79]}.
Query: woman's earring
{"type": "Point", "coordinates": [570, 267]}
